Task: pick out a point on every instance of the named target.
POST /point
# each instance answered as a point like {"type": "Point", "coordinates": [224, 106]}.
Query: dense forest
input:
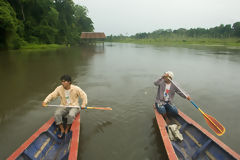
{"type": "Point", "coordinates": [218, 32]}
{"type": "Point", "coordinates": [41, 22]}
{"type": "Point", "coordinates": [24, 22]}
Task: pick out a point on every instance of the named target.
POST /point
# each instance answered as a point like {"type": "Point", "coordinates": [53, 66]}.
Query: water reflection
{"type": "Point", "coordinates": [119, 76]}
{"type": "Point", "coordinates": [27, 78]}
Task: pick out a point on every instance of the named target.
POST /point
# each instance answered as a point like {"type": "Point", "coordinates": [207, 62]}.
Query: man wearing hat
{"type": "Point", "coordinates": [165, 94]}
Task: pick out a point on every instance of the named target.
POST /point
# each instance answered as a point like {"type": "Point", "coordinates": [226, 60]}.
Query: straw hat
{"type": "Point", "coordinates": [170, 74]}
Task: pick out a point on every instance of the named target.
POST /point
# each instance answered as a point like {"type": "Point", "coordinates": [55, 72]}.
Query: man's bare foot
{"type": "Point", "coordinates": [61, 135]}
{"type": "Point", "coordinates": [67, 129]}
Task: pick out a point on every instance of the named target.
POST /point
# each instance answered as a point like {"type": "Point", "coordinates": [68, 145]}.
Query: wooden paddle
{"type": "Point", "coordinates": [216, 126]}
{"type": "Point", "coordinates": [100, 108]}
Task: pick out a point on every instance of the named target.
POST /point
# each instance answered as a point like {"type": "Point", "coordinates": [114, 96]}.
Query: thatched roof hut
{"type": "Point", "coordinates": [93, 35]}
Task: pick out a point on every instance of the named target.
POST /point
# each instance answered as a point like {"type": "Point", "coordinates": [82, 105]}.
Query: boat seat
{"type": "Point", "coordinates": [29, 152]}
{"type": "Point", "coordinates": [179, 151]}
{"type": "Point", "coordinates": [183, 126]}
{"type": "Point", "coordinates": [53, 136]}
{"type": "Point", "coordinates": [201, 149]}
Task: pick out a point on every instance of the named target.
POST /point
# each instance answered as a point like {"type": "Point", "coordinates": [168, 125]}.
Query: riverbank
{"type": "Point", "coordinates": [35, 47]}
{"type": "Point", "coordinates": [235, 42]}
{"type": "Point", "coordinates": [41, 46]}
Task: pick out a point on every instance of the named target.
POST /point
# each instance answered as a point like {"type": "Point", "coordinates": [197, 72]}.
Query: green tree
{"type": "Point", "coordinates": [228, 31]}
{"type": "Point", "coordinates": [141, 35]}
{"type": "Point", "coordinates": [65, 9]}
{"type": "Point", "coordinates": [236, 29]}
{"type": "Point", "coordinates": [83, 22]}
{"type": "Point", "coordinates": [8, 23]}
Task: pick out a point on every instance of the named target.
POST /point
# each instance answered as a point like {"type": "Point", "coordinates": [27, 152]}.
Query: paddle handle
{"type": "Point", "coordinates": [100, 108]}
{"type": "Point", "coordinates": [178, 88]}
{"type": "Point", "coordinates": [184, 94]}
{"type": "Point", "coordinates": [194, 104]}
{"type": "Point", "coordinates": [52, 105]}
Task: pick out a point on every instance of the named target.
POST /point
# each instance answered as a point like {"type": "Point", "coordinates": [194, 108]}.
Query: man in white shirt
{"type": "Point", "coordinates": [69, 95]}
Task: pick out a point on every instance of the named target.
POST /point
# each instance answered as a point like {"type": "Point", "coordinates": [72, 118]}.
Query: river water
{"type": "Point", "coordinates": [120, 76]}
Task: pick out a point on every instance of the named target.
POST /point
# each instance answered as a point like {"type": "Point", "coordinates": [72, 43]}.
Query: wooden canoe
{"type": "Point", "coordinates": [197, 143]}
{"type": "Point", "coordinates": [45, 145]}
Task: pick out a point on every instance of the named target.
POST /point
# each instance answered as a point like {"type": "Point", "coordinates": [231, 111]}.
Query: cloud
{"type": "Point", "coordinates": [134, 16]}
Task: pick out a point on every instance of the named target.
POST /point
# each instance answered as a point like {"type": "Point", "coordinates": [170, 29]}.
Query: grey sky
{"type": "Point", "coordinates": [129, 17]}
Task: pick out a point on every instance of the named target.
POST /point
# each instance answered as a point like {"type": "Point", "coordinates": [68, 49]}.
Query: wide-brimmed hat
{"type": "Point", "coordinates": [170, 74]}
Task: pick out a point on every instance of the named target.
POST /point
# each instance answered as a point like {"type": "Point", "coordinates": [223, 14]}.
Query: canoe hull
{"type": "Point", "coordinates": [44, 144]}
{"type": "Point", "coordinates": [197, 142]}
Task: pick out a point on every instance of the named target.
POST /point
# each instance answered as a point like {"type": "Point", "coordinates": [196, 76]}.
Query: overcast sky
{"type": "Point", "coordinates": [129, 17]}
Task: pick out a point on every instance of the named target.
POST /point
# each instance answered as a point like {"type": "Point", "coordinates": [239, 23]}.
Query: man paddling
{"type": "Point", "coordinates": [69, 95]}
{"type": "Point", "coordinates": [165, 94]}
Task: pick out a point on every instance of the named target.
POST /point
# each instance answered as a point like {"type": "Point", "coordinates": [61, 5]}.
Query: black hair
{"type": "Point", "coordinates": [66, 78]}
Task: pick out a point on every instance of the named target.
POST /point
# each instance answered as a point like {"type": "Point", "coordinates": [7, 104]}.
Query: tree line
{"type": "Point", "coordinates": [42, 22]}
{"type": "Point", "coordinates": [221, 31]}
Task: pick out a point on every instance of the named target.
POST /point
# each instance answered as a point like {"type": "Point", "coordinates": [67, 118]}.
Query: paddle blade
{"type": "Point", "coordinates": [101, 108]}
{"type": "Point", "coordinates": [216, 126]}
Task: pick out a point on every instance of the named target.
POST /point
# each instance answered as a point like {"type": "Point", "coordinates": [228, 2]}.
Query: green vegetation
{"type": "Point", "coordinates": [39, 23]}
{"type": "Point", "coordinates": [220, 35]}
{"type": "Point", "coordinates": [184, 41]}
{"type": "Point", "coordinates": [42, 46]}
{"type": "Point", "coordinates": [30, 24]}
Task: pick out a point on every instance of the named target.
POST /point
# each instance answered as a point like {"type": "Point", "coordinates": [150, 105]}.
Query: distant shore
{"type": "Point", "coordinates": [230, 42]}
{"type": "Point", "coordinates": [183, 41]}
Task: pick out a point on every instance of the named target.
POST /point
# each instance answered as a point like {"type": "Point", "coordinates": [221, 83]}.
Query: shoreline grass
{"type": "Point", "coordinates": [41, 46]}
{"type": "Point", "coordinates": [234, 42]}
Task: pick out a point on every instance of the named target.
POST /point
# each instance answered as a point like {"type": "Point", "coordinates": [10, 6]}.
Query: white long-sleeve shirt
{"type": "Point", "coordinates": [74, 93]}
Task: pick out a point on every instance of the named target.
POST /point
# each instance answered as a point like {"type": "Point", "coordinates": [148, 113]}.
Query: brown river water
{"type": "Point", "coordinates": [120, 76]}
